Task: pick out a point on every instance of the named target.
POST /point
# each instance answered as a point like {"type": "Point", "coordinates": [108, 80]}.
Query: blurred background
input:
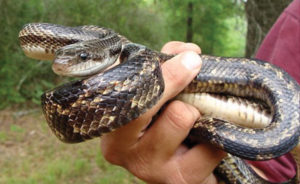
{"type": "Point", "coordinates": [29, 152]}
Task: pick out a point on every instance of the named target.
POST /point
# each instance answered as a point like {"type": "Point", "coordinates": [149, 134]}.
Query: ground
{"type": "Point", "coordinates": [31, 154]}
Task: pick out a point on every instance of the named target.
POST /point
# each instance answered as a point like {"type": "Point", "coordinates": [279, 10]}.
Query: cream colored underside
{"type": "Point", "coordinates": [231, 109]}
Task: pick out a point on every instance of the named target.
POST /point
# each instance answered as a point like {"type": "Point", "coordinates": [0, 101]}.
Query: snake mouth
{"type": "Point", "coordinates": [64, 67]}
{"type": "Point", "coordinates": [82, 70]}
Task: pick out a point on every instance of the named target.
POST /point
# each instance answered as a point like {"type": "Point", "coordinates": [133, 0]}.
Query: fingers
{"type": "Point", "coordinates": [175, 47]}
{"type": "Point", "coordinates": [169, 130]}
{"type": "Point", "coordinates": [203, 157]}
{"type": "Point", "coordinates": [163, 141]}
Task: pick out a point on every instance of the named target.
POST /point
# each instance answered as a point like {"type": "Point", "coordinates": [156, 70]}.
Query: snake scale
{"type": "Point", "coordinates": [122, 80]}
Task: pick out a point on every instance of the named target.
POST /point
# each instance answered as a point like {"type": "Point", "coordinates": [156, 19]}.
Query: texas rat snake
{"type": "Point", "coordinates": [252, 91]}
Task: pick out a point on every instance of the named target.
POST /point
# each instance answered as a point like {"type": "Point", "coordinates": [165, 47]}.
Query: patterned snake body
{"type": "Point", "coordinates": [110, 98]}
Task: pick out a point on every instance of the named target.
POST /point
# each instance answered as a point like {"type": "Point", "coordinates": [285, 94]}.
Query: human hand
{"type": "Point", "coordinates": [156, 155]}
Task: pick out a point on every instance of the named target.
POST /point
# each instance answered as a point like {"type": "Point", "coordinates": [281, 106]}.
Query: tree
{"type": "Point", "coordinates": [205, 22]}
{"type": "Point", "coordinates": [261, 15]}
{"type": "Point", "coordinates": [189, 28]}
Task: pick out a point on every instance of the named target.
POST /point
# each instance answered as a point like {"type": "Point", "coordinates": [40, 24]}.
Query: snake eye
{"type": "Point", "coordinates": [83, 56]}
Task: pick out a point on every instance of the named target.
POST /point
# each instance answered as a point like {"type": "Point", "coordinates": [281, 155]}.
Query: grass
{"type": "Point", "coordinates": [31, 154]}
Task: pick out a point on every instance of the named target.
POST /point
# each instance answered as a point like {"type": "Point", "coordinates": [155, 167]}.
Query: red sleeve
{"type": "Point", "coordinates": [281, 47]}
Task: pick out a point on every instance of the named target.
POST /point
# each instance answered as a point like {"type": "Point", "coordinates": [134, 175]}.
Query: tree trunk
{"type": "Point", "coordinates": [189, 29]}
{"type": "Point", "coordinates": [261, 15]}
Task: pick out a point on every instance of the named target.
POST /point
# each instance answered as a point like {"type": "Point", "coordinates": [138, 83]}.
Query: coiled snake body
{"type": "Point", "coordinates": [256, 92]}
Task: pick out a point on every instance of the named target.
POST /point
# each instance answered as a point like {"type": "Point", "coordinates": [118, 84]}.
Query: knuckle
{"type": "Point", "coordinates": [137, 161]}
{"type": "Point", "coordinates": [180, 115]}
{"type": "Point", "coordinates": [111, 157]}
{"type": "Point", "coordinates": [111, 152]}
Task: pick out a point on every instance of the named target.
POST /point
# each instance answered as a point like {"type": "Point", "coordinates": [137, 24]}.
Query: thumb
{"type": "Point", "coordinates": [178, 72]}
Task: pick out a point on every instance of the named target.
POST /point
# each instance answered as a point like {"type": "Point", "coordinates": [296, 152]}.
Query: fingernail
{"type": "Point", "coordinates": [191, 61]}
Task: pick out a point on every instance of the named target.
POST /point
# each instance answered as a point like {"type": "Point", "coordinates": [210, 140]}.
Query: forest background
{"type": "Point", "coordinates": [30, 153]}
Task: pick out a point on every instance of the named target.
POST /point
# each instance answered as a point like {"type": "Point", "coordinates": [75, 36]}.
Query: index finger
{"type": "Point", "coordinates": [176, 47]}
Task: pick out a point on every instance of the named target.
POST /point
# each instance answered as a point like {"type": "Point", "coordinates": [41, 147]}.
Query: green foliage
{"type": "Point", "coordinates": [3, 136]}
{"type": "Point", "coordinates": [151, 23]}
{"type": "Point", "coordinates": [16, 128]}
{"type": "Point", "coordinates": [214, 25]}
{"type": "Point", "coordinates": [55, 172]}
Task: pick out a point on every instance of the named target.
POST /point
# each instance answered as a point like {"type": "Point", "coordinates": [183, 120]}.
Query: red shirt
{"type": "Point", "coordinates": [281, 47]}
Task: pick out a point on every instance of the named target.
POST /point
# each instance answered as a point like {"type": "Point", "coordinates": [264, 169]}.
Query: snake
{"type": "Point", "coordinates": [250, 108]}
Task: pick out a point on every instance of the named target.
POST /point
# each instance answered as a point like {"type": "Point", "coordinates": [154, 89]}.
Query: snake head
{"type": "Point", "coordinates": [86, 58]}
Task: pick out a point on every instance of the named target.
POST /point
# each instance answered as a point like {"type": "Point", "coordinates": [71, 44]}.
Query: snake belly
{"type": "Point", "coordinates": [105, 101]}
